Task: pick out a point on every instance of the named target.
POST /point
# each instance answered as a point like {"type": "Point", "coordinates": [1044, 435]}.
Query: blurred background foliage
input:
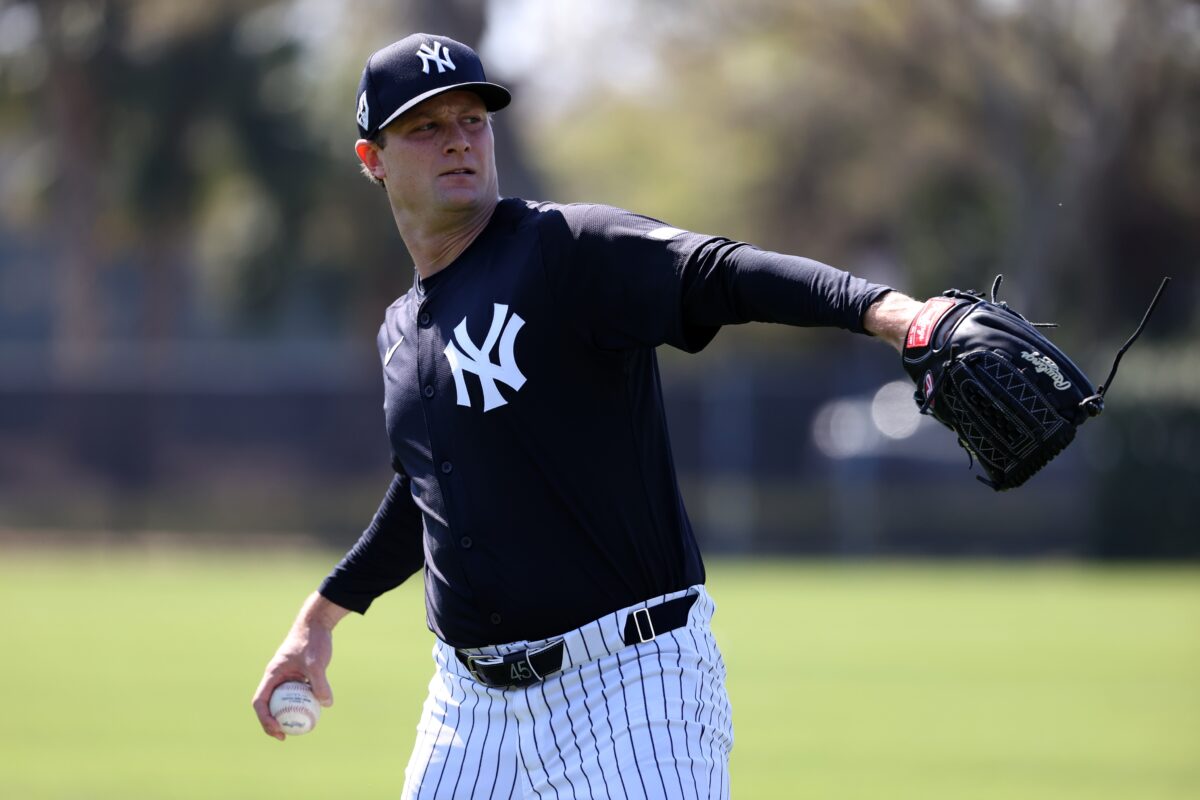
{"type": "Point", "coordinates": [192, 270]}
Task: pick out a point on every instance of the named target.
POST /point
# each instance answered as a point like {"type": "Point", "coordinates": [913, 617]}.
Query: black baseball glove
{"type": "Point", "coordinates": [1010, 395]}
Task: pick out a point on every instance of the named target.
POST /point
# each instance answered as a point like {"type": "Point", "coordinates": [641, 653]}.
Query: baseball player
{"type": "Point", "coordinates": [533, 480]}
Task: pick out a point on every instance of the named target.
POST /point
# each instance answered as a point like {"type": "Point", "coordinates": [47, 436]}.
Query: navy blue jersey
{"type": "Point", "coordinates": [534, 478]}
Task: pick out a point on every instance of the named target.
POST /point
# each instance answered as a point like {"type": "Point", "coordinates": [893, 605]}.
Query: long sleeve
{"type": "Point", "coordinates": [632, 281]}
{"type": "Point", "coordinates": [726, 282]}
{"type": "Point", "coordinates": [388, 552]}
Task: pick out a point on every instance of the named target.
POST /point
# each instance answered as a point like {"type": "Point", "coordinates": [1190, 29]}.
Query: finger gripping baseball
{"type": "Point", "coordinates": [1013, 398]}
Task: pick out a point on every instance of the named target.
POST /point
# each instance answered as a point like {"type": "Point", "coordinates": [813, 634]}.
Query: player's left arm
{"type": "Point", "coordinates": [636, 281]}
{"type": "Point", "coordinates": [890, 316]}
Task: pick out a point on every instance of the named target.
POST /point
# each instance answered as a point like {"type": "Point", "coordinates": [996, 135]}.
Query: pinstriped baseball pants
{"type": "Point", "coordinates": [649, 721]}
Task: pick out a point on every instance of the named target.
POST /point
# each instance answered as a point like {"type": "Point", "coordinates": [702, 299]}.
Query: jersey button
{"type": "Point", "coordinates": [447, 467]}
{"type": "Point", "coordinates": [424, 319]}
{"type": "Point", "coordinates": [429, 391]}
{"type": "Point", "coordinates": [465, 542]}
{"type": "Point", "coordinates": [495, 618]}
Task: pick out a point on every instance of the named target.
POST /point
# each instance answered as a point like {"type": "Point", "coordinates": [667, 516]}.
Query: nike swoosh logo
{"type": "Point", "coordinates": [391, 350]}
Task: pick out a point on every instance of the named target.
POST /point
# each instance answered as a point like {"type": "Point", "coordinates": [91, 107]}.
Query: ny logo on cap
{"type": "Point", "coordinates": [430, 54]}
{"type": "Point", "coordinates": [364, 114]}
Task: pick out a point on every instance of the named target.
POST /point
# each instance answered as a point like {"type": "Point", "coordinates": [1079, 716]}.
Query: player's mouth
{"type": "Point", "coordinates": [459, 171]}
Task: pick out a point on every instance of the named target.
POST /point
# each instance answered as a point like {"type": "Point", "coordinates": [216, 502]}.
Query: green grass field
{"type": "Point", "coordinates": [129, 675]}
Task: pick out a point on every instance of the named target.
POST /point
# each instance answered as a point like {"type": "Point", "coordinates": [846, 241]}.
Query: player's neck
{"type": "Point", "coordinates": [434, 243]}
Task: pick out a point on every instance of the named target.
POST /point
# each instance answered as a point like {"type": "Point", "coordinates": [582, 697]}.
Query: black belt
{"type": "Point", "coordinates": [527, 667]}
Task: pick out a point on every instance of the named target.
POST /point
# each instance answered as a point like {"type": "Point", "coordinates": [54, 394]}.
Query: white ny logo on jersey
{"type": "Point", "coordinates": [430, 54]}
{"type": "Point", "coordinates": [478, 359]}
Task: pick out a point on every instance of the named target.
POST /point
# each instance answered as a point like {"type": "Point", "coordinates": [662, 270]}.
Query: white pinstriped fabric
{"type": "Point", "coordinates": [642, 722]}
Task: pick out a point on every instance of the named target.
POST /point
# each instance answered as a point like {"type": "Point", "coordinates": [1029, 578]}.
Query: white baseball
{"type": "Point", "coordinates": [294, 708]}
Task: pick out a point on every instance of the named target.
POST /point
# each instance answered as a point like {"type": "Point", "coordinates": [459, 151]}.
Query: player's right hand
{"type": "Point", "coordinates": [304, 656]}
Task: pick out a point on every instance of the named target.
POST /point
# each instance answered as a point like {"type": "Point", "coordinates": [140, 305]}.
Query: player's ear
{"type": "Point", "coordinates": [368, 154]}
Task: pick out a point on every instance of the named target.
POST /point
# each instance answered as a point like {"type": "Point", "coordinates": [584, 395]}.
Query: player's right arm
{"type": "Point", "coordinates": [387, 553]}
{"type": "Point", "coordinates": [303, 656]}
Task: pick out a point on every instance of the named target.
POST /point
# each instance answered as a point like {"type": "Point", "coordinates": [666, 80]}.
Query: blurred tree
{"type": "Point", "coordinates": [159, 133]}
{"type": "Point", "coordinates": [73, 120]}
{"type": "Point", "coordinates": [200, 170]}
{"type": "Point", "coordinates": [928, 144]}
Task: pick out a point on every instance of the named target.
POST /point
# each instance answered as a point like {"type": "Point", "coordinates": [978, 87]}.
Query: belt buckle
{"type": "Point", "coordinates": [486, 661]}
{"type": "Point", "coordinates": [642, 627]}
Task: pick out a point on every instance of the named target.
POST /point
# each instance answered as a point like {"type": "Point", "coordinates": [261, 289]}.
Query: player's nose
{"type": "Point", "coordinates": [456, 140]}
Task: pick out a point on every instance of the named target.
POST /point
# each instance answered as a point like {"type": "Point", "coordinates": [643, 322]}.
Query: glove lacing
{"type": "Point", "coordinates": [1095, 404]}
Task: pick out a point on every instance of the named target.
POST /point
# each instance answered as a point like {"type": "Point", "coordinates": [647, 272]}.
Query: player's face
{"type": "Point", "coordinates": [440, 156]}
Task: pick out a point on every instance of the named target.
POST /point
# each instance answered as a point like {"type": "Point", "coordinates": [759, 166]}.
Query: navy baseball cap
{"type": "Point", "coordinates": [417, 68]}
